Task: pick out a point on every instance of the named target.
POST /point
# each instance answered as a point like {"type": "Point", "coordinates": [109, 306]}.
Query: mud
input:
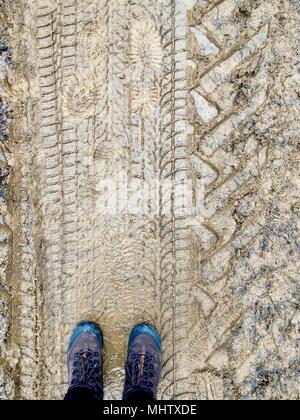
{"type": "Point", "coordinates": [197, 98]}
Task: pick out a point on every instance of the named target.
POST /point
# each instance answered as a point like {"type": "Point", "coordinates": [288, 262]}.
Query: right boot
{"type": "Point", "coordinates": [144, 363]}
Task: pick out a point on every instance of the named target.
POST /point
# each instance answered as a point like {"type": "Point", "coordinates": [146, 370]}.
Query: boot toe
{"type": "Point", "coordinates": [148, 329]}
{"type": "Point", "coordinates": [86, 327]}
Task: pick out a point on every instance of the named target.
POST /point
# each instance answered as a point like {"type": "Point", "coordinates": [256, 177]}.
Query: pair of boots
{"type": "Point", "coordinates": [85, 363]}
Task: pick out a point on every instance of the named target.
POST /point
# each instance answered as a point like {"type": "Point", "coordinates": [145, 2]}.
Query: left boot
{"type": "Point", "coordinates": [85, 358]}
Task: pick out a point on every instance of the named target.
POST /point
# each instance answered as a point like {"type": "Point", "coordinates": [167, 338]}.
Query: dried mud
{"type": "Point", "coordinates": [199, 92]}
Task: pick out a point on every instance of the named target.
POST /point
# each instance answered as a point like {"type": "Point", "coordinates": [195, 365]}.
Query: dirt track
{"type": "Point", "coordinates": [115, 93]}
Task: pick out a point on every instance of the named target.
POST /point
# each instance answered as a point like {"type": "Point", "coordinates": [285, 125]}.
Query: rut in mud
{"type": "Point", "coordinates": [176, 103]}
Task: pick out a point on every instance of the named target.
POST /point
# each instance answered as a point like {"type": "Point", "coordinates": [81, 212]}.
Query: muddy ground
{"type": "Point", "coordinates": [192, 108]}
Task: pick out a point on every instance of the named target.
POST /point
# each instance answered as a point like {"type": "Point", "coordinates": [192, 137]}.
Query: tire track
{"type": "Point", "coordinates": [48, 64]}
{"type": "Point", "coordinates": [175, 244]}
{"type": "Point", "coordinates": [220, 110]}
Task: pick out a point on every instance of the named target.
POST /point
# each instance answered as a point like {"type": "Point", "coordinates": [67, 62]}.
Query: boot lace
{"type": "Point", "coordinates": [141, 370]}
{"type": "Point", "coordinates": [86, 368]}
